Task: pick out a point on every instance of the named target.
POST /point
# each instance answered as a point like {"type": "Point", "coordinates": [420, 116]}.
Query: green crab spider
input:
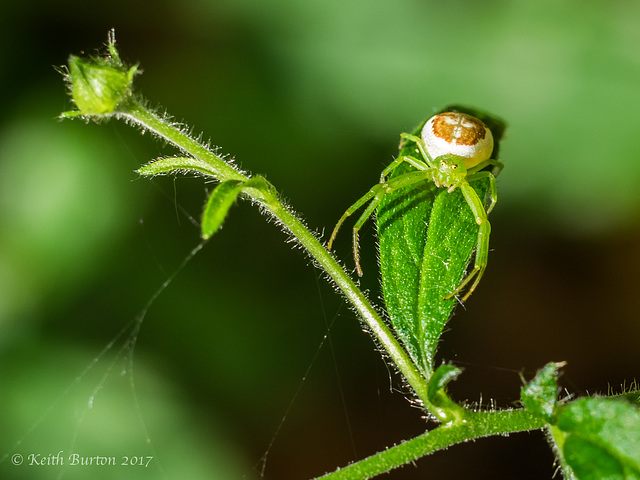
{"type": "Point", "coordinates": [455, 149]}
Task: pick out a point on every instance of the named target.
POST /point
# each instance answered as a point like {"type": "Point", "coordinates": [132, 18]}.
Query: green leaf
{"type": "Point", "coordinates": [218, 205]}
{"type": "Point", "coordinates": [176, 164]}
{"type": "Point", "coordinates": [426, 239]}
{"type": "Point", "coordinates": [440, 378]}
{"type": "Point", "coordinates": [633, 397]}
{"type": "Point", "coordinates": [540, 395]}
{"type": "Point", "coordinates": [223, 197]}
{"type": "Point", "coordinates": [599, 438]}
{"type": "Point", "coordinates": [445, 409]}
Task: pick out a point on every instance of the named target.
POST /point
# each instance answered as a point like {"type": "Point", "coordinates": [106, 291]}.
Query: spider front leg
{"type": "Point", "coordinates": [374, 191]}
{"type": "Point", "coordinates": [475, 174]}
{"type": "Point", "coordinates": [382, 189]}
{"type": "Point", "coordinates": [374, 196]}
{"type": "Point", "coordinates": [482, 244]}
{"type": "Point", "coordinates": [351, 210]}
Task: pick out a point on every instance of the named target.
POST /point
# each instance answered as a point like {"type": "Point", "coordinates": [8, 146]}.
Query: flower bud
{"type": "Point", "coordinates": [99, 84]}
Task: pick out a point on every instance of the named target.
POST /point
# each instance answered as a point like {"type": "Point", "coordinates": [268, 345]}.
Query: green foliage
{"type": "Point", "coordinates": [223, 197]}
{"type": "Point", "coordinates": [176, 164]}
{"type": "Point", "coordinates": [599, 438]}
{"type": "Point", "coordinates": [540, 395]}
{"type": "Point", "coordinates": [427, 236]}
{"type": "Point", "coordinates": [446, 410]}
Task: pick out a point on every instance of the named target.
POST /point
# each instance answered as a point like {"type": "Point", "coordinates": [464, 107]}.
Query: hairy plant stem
{"type": "Point", "coordinates": [477, 425]}
{"type": "Point", "coordinates": [137, 113]}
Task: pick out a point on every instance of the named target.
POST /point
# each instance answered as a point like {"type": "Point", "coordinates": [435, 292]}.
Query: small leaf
{"type": "Point", "coordinates": [176, 164]}
{"type": "Point", "coordinates": [426, 239]}
{"type": "Point", "coordinates": [440, 378]}
{"type": "Point", "coordinates": [632, 396]}
{"type": "Point", "coordinates": [599, 438]}
{"type": "Point", "coordinates": [219, 203]}
{"type": "Point", "coordinates": [540, 395]}
{"type": "Point", "coordinates": [445, 409]}
{"type": "Point", "coordinates": [223, 197]}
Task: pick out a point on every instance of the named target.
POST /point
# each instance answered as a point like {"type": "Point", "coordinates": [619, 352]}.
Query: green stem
{"type": "Point", "coordinates": [477, 425]}
{"type": "Point", "coordinates": [138, 114]}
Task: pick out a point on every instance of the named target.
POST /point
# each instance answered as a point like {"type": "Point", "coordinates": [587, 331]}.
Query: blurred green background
{"type": "Point", "coordinates": [313, 95]}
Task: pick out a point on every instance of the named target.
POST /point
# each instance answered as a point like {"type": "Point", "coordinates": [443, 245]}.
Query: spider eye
{"type": "Point", "coordinates": [458, 134]}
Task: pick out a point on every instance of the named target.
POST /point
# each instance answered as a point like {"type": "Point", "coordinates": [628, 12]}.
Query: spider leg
{"type": "Point", "coordinates": [390, 168]}
{"type": "Point", "coordinates": [495, 171]}
{"type": "Point", "coordinates": [414, 162]}
{"type": "Point", "coordinates": [493, 189]}
{"type": "Point", "coordinates": [374, 196]}
{"type": "Point", "coordinates": [382, 191]}
{"type": "Point", "coordinates": [422, 148]}
{"type": "Point", "coordinates": [378, 191]}
{"type": "Point", "coordinates": [352, 209]}
{"type": "Point", "coordinates": [482, 245]}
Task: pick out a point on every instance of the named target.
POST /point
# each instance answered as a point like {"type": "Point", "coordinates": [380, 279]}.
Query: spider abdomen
{"type": "Point", "coordinates": [458, 134]}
